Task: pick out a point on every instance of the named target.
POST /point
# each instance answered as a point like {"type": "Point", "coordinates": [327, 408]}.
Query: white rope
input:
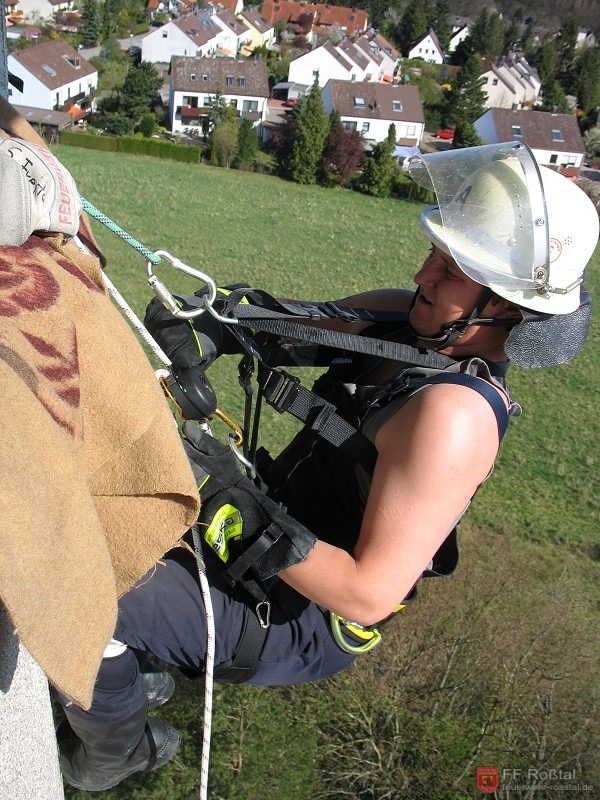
{"type": "Point", "coordinates": [204, 586]}
{"type": "Point", "coordinates": [136, 321]}
{"type": "Point", "coordinates": [208, 684]}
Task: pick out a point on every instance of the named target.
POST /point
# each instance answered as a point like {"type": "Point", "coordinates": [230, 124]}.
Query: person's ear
{"type": "Point", "coordinates": [504, 308]}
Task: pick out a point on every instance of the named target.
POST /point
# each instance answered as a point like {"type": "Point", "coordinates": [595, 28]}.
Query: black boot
{"type": "Point", "coordinates": [159, 686]}
{"type": "Point", "coordinates": [95, 756]}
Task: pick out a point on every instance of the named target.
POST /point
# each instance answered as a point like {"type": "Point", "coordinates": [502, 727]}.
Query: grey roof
{"type": "Point", "coordinates": [536, 129]}
{"type": "Point", "coordinates": [54, 63]}
{"type": "Point", "coordinates": [43, 117]}
{"type": "Point", "coordinates": [228, 18]}
{"type": "Point", "coordinates": [198, 27]}
{"type": "Point", "coordinates": [253, 17]}
{"type": "Point", "coordinates": [217, 70]}
{"type": "Point", "coordinates": [379, 101]}
{"type": "Point", "coordinates": [354, 53]}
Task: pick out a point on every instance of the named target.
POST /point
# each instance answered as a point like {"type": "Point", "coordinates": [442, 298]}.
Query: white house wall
{"type": "Point", "coordinates": [38, 95]}
{"type": "Point", "coordinates": [550, 158]}
{"type": "Point", "coordinates": [178, 99]}
{"type": "Point", "coordinates": [36, 9]}
{"type": "Point", "coordinates": [427, 51]}
{"type": "Point", "coordinates": [303, 69]}
{"type": "Point", "coordinates": [232, 41]}
{"type": "Point", "coordinates": [163, 43]}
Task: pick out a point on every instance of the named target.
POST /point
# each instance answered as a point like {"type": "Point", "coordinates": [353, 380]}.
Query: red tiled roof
{"type": "Point", "coordinates": [350, 20]}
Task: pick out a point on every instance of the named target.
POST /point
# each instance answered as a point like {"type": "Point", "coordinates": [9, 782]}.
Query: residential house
{"type": "Point", "coordinates": [238, 33]}
{"type": "Point", "coordinates": [325, 63]}
{"type": "Point", "coordinates": [368, 61]}
{"type": "Point", "coordinates": [461, 28]}
{"type": "Point", "coordinates": [260, 32]}
{"type": "Point", "coordinates": [390, 57]}
{"type": "Point", "coordinates": [194, 83]}
{"type": "Point", "coordinates": [235, 6]}
{"type": "Point", "coordinates": [316, 18]}
{"type": "Point", "coordinates": [370, 108]}
{"type": "Point", "coordinates": [510, 82]}
{"type": "Point", "coordinates": [55, 76]}
{"type": "Point", "coordinates": [428, 48]}
{"type": "Point", "coordinates": [38, 10]}
{"type": "Point", "coordinates": [12, 13]}
{"type": "Point", "coordinates": [554, 138]}
{"type": "Point", "coordinates": [201, 33]}
{"type": "Point", "coordinates": [47, 123]}
{"type": "Point", "coordinates": [585, 38]}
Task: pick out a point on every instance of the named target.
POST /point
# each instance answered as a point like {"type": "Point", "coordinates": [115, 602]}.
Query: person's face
{"type": "Point", "coordinates": [446, 295]}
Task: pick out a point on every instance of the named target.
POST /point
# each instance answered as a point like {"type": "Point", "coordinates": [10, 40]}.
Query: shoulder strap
{"type": "Point", "coordinates": [481, 386]}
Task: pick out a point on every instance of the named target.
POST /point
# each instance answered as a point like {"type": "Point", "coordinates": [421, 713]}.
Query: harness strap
{"type": "Point", "coordinates": [284, 392]}
{"type": "Point", "coordinates": [243, 665]}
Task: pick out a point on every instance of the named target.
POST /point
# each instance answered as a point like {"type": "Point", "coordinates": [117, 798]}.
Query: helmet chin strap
{"type": "Point", "coordinates": [451, 331]}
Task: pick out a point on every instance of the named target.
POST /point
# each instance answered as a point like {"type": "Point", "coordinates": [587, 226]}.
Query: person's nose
{"type": "Point", "coordinates": [429, 273]}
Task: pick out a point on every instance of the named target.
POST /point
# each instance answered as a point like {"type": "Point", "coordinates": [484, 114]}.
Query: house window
{"type": "Point", "coordinates": [229, 80]}
{"type": "Point", "coordinates": [571, 161]}
{"type": "Point", "coordinates": [411, 130]}
{"type": "Point", "coordinates": [241, 81]}
{"type": "Point", "coordinates": [365, 126]}
{"type": "Point", "coordinates": [233, 103]}
{"type": "Point", "coordinates": [350, 125]}
{"type": "Point", "coordinates": [397, 105]}
{"type": "Point", "coordinates": [557, 136]}
{"type": "Point", "coordinates": [315, 73]}
{"type": "Point", "coordinates": [250, 105]}
{"type": "Point", "coordinates": [516, 130]}
{"type": "Point", "coordinates": [495, 82]}
{"type": "Point", "coordinates": [205, 78]}
{"type": "Point", "coordinates": [553, 158]}
{"type": "Point", "coordinates": [165, 34]}
{"type": "Point", "coordinates": [193, 76]}
{"type": "Point", "coordinates": [359, 102]}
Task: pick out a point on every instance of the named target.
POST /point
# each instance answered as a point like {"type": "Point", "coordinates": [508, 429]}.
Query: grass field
{"type": "Point", "coordinates": [316, 243]}
{"type": "Point", "coordinates": [518, 615]}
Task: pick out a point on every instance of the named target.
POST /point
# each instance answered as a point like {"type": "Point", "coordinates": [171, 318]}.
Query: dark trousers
{"type": "Point", "coordinates": [164, 614]}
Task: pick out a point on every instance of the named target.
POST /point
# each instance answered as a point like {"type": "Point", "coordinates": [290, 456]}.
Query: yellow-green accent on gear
{"type": "Point", "coordinates": [225, 526]}
{"type": "Point", "coordinates": [370, 637]}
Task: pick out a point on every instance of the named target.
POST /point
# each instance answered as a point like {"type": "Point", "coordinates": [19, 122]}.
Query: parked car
{"type": "Point", "coordinates": [445, 133]}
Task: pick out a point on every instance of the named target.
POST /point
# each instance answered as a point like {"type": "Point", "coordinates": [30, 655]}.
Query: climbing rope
{"type": "Point", "coordinates": [164, 294]}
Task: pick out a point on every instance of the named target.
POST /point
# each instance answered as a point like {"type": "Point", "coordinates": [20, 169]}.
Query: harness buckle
{"type": "Point", "coordinates": [280, 389]}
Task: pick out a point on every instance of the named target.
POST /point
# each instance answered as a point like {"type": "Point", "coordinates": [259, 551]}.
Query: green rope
{"type": "Point", "coordinates": [112, 226]}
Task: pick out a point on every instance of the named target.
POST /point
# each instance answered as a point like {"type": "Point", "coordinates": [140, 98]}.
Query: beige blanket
{"type": "Point", "coordinates": [94, 483]}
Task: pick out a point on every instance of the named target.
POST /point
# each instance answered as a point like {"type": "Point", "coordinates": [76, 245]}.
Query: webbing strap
{"type": "Point", "coordinates": [284, 392]}
{"type": "Point", "coordinates": [281, 325]}
{"type": "Point", "coordinates": [483, 388]}
{"type": "Point", "coordinates": [243, 665]}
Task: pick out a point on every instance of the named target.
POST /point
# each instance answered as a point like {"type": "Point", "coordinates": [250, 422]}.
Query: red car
{"type": "Point", "coordinates": [446, 133]}
{"type": "Point", "coordinates": [291, 102]}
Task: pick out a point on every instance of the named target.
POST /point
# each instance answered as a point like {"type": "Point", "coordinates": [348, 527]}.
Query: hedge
{"type": "Point", "coordinates": [158, 148]}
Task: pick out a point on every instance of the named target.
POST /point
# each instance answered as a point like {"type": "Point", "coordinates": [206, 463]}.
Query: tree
{"type": "Point", "coordinates": [90, 24]}
{"type": "Point", "coordinates": [414, 23]}
{"type": "Point", "coordinates": [247, 143]}
{"type": "Point", "coordinates": [567, 43]}
{"type": "Point", "coordinates": [147, 125]}
{"type": "Point", "coordinates": [554, 99]}
{"type": "Point", "coordinates": [140, 88]}
{"type": "Point", "coordinates": [465, 135]}
{"type": "Point", "coordinates": [218, 105]}
{"type": "Point", "coordinates": [376, 178]}
{"type": "Point", "coordinates": [440, 22]}
{"type": "Point", "coordinates": [311, 126]}
{"type": "Point", "coordinates": [224, 141]}
{"type": "Point", "coordinates": [344, 153]}
{"type": "Point", "coordinates": [486, 38]}
{"type": "Point", "coordinates": [591, 139]}
{"type": "Point", "coordinates": [585, 79]}
{"type": "Point", "coordinates": [465, 99]}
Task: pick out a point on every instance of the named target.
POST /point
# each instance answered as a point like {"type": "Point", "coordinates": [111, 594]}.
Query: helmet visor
{"type": "Point", "coordinates": [491, 213]}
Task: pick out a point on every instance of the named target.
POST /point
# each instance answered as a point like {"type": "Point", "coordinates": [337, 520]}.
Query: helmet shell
{"type": "Point", "coordinates": [526, 232]}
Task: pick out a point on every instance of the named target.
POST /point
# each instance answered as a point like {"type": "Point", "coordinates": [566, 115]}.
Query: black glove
{"type": "Point", "coordinates": [244, 527]}
{"type": "Point", "coordinates": [187, 342]}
